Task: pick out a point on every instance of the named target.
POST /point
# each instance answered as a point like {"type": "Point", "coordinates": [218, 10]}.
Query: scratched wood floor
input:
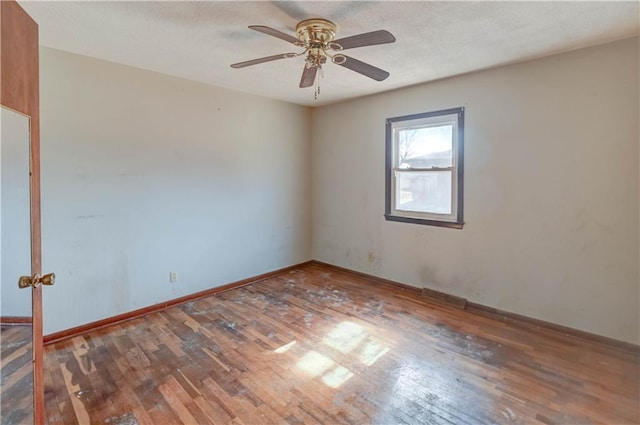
{"type": "Point", "coordinates": [16, 375]}
{"type": "Point", "coordinates": [318, 346]}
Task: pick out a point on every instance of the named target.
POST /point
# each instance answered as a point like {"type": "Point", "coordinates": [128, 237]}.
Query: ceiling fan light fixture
{"type": "Point", "coordinates": [316, 36]}
{"type": "Point", "coordinates": [316, 31]}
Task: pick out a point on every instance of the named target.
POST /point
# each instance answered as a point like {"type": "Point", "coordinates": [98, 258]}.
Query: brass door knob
{"type": "Point", "coordinates": [35, 280]}
{"type": "Point", "coordinates": [24, 282]}
{"type": "Point", "coordinates": [48, 279]}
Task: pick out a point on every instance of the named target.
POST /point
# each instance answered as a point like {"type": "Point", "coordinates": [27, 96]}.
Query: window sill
{"type": "Point", "coordinates": [448, 224]}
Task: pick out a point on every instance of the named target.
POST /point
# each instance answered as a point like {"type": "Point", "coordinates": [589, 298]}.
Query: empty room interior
{"type": "Point", "coordinates": [303, 212]}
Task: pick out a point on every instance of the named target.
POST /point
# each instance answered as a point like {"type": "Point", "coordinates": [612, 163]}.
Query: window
{"type": "Point", "coordinates": [424, 168]}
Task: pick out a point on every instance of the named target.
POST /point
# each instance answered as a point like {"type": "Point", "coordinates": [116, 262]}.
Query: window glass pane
{"type": "Point", "coordinates": [427, 191]}
{"type": "Point", "coordinates": [425, 147]}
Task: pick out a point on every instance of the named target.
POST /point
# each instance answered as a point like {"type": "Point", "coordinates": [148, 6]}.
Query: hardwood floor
{"type": "Point", "coordinates": [319, 346]}
{"type": "Point", "coordinates": [16, 371]}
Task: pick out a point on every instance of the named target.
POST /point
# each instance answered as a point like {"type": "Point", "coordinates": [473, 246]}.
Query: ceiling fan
{"type": "Point", "coordinates": [316, 36]}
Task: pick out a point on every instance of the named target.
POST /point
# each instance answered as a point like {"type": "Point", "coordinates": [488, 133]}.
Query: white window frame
{"type": "Point", "coordinates": [453, 117]}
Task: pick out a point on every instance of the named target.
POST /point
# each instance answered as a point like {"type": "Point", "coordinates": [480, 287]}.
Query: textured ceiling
{"type": "Point", "coordinates": [199, 40]}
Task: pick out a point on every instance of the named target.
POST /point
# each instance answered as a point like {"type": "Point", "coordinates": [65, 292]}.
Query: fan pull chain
{"type": "Point", "coordinates": [317, 83]}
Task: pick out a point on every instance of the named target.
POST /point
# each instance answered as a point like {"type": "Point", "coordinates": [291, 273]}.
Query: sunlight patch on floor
{"type": "Point", "coordinates": [372, 351]}
{"type": "Point", "coordinates": [285, 348]}
{"type": "Point", "coordinates": [315, 363]}
{"type": "Point", "coordinates": [345, 337]}
{"type": "Point", "coordinates": [337, 377]}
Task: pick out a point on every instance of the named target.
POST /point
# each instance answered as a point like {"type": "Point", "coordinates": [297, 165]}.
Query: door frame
{"type": "Point", "coordinates": [19, 81]}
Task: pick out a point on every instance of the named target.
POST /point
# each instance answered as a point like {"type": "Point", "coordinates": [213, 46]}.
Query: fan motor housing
{"type": "Point", "coordinates": [316, 30]}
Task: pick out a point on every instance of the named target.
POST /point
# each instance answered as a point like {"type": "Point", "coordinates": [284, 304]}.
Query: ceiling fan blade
{"type": "Point", "coordinates": [262, 60]}
{"type": "Point", "coordinates": [366, 39]}
{"type": "Point", "coordinates": [274, 33]}
{"type": "Point", "coordinates": [308, 76]}
{"type": "Point", "coordinates": [362, 68]}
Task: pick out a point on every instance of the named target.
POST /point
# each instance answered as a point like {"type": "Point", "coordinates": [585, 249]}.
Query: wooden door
{"type": "Point", "coordinates": [20, 93]}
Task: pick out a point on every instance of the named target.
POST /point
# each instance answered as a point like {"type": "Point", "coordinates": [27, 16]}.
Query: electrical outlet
{"type": "Point", "coordinates": [173, 277]}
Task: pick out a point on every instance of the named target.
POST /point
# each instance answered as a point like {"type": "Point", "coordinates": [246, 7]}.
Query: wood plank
{"type": "Point", "coordinates": [314, 345]}
{"type": "Point", "coordinates": [16, 367]}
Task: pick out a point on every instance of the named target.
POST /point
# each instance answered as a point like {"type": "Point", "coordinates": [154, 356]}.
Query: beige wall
{"type": "Point", "coordinates": [551, 190]}
{"type": "Point", "coordinates": [143, 174]}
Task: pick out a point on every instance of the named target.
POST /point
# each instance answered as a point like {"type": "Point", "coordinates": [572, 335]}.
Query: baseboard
{"type": "Point", "coordinates": [380, 280]}
{"type": "Point", "coordinates": [82, 329]}
{"type": "Point", "coordinates": [444, 298]}
{"type": "Point", "coordinates": [532, 323]}
{"type": "Point", "coordinates": [16, 320]}
{"type": "Point", "coordinates": [495, 313]}
{"type": "Point", "coordinates": [471, 307]}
